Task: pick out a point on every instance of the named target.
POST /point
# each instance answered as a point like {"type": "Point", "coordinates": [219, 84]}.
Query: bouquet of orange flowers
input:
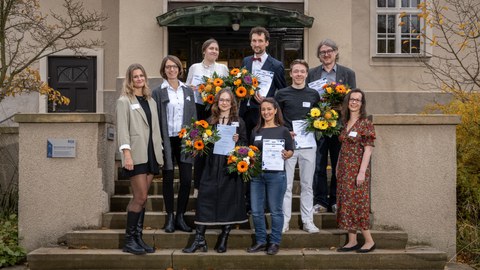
{"type": "Point", "coordinates": [323, 121]}
{"type": "Point", "coordinates": [245, 160]}
{"type": "Point", "coordinates": [242, 82]}
{"type": "Point", "coordinates": [209, 88]}
{"type": "Point", "coordinates": [198, 137]}
{"type": "Point", "coordinates": [334, 93]}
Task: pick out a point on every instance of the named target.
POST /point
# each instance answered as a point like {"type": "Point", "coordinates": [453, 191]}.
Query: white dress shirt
{"type": "Point", "coordinates": [174, 108]}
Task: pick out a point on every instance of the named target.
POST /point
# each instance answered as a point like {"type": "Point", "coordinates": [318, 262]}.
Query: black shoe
{"type": "Point", "coordinates": [169, 223]}
{"type": "Point", "coordinates": [131, 245]}
{"type": "Point", "coordinates": [199, 242]}
{"type": "Point", "coordinates": [180, 223]}
{"type": "Point", "coordinates": [257, 248]}
{"type": "Point", "coordinates": [273, 249]}
{"type": "Point", "coordinates": [139, 236]}
{"type": "Point", "coordinates": [366, 250]}
{"type": "Point", "coordinates": [221, 246]}
{"type": "Point", "coordinates": [347, 249]}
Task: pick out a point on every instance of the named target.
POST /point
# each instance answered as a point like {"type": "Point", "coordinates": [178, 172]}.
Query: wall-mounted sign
{"type": "Point", "coordinates": [61, 148]}
{"type": "Point", "coordinates": [110, 133]}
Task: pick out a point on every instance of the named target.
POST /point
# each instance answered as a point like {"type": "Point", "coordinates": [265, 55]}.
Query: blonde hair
{"type": "Point", "coordinates": [128, 89]}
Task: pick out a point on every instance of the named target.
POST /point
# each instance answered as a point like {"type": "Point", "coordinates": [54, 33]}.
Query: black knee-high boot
{"type": "Point", "coordinates": [131, 245]}
{"type": "Point", "coordinates": [200, 242]}
{"type": "Point", "coordinates": [140, 241]}
{"type": "Point", "coordinates": [222, 240]}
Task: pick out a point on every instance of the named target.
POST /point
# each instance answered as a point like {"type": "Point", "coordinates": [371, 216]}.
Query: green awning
{"type": "Point", "coordinates": [222, 15]}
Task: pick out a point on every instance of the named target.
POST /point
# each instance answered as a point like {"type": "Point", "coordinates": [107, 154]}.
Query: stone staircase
{"type": "Point", "coordinates": [101, 248]}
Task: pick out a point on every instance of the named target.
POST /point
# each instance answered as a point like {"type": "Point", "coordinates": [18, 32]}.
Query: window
{"type": "Point", "coordinates": [398, 27]}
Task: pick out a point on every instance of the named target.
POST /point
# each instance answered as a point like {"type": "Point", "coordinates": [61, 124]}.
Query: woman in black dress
{"type": "Point", "coordinates": [140, 144]}
{"type": "Point", "coordinates": [221, 199]}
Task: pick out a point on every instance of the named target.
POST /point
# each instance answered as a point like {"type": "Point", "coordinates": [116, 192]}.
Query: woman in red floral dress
{"type": "Point", "coordinates": [353, 173]}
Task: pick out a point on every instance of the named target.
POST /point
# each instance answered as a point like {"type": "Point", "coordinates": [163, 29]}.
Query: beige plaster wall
{"type": "Point", "coordinates": [414, 178]}
{"type": "Point", "coordinates": [57, 195]}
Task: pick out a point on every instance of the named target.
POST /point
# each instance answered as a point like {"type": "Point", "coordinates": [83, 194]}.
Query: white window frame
{"type": "Point", "coordinates": [397, 11]}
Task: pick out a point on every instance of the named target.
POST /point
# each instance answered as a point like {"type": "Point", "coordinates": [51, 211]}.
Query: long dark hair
{"type": "Point", "coordinates": [346, 100]}
{"type": "Point", "coordinates": [214, 119]}
{"type": "Point", "coordinates": [278, 116]}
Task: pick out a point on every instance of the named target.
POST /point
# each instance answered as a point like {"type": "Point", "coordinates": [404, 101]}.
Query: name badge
{"type": "Point", "coordinates": [135, 106]}
{"type": "Point", "coordinates": [258, 138]}
{"type": "Point", "coordinates": [306, 104]}
{"type": "Point", "coordinates": [235, 124]}
{"type": "Point", "coordinates": [352, 134]}
{"type": "Point", "coordinates": [188, 98]}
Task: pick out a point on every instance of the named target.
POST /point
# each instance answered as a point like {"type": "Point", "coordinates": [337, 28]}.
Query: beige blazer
{"type": "Point", "coordinates": [133, 129]}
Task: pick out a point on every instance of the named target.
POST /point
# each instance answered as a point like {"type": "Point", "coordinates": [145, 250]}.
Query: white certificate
{"type": "Point", "coordinates": [226, 144]}
{"type": "Point", "coordinates": [318, 85]}
{"type": "Point", "coordinates": [272, 154]}
{"type": "Point", "coordinates": [196, 81]}
{"type": "Point", "coordinates": [303, 138]}
{"type": "Point", "coordinates": [265, 79]}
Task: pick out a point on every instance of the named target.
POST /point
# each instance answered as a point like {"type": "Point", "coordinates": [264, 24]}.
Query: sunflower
{"type": "Point", "coordinates": [255, 82]}
{"type": "Point", "coordinates": [182, 133]}
{"type": "Point", "coordinates": [234, 71]}
{"type": "Point", "coordinates": [241, 92]}
{"type": "Point", "coordinates": [254, 148]}
{"type": "Point", "coordinates": [210, 99]}
{"type": "Point", "coordinates": [315, 112]}
{"type": "Point", "coordinates": [198, 145]}
{"type": "Point", "coordinates": [218, 82]}
{"type": "Point", "coordinates": [242, 166]}
{"type": "Point", "coordinates": [237, 82]}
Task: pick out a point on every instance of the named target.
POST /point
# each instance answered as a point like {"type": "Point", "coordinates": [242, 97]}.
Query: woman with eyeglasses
{"type": "Point", "coordinates": [176, 107]}
{"type": "Point", "coordinates": [207, 67]}
{"type": "Point", "coordinates": [221, 199]}
{"type": "Point", "coordinates": [353, 173]}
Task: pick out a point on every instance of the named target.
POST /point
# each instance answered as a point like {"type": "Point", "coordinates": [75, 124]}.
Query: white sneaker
{"type": "Point", "coordinates": [310, 227]}
{"type": "Point", "coordinates": [317, 208]}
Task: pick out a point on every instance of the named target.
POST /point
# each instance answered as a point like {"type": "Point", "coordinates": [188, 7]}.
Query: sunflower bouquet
{"type": "Point", "coordinates": [245, 160]}
{"type": "Point", "coordinates": [242, 82]}
{"type": "Point", "coordinates": [209, 87]}
{"type": "Point", "coordinates": [323, 121]}
{"type": "Point", "coordinates": [334, 93]}
{"type": "Point", "coordinates": [198, 137]}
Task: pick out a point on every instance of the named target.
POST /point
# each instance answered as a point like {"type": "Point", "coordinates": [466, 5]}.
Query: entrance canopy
{"type": "Point", "coordinates": [245, 16]}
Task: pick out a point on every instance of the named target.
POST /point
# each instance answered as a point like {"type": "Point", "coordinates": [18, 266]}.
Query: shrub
{"type": "Point", "coordinates": [10, 251]}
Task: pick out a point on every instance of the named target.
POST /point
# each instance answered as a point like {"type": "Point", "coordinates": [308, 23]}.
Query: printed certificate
{"type": "Point", "coordinates": [226, 144]}
{"type": "Point", "coordinates": [272, 154]}
{"type": "Point", "coordinates": [318, 85]}
{"type": "Point", "coordinates": [196, 81]}
{"type": "Point", "coordinates": [303, 138]}
{"type": "Point", "coordinates": [265, 79]}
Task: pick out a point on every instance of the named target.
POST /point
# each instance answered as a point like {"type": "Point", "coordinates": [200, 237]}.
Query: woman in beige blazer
{"type": "Point", "coordinates": [140, 144]}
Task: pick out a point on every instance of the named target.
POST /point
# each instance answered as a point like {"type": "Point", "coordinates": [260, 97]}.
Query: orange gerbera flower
{"type": "Point", "coordinates": [218, 82]}
{"type": "Point", "coordinates": [237, 82]}
{"type": "Point", "coordinates": [241, 92]}
{"type": "Point", "coordinates": [234, 71]}
{"type": "Point", "coordinates": [182, 133]}
{"type": "Point", "coordinates": [201, 88]}
{"type": "Point", "coordinates": [242, 166]}
{"type": "Point", "coordinates": [340, 89]}
{"type": "Point", "coordinates": [254, 148]}
{"type": "Point", "coordinates": [202, 123]}
{"type": "Point", "coordinates": [230, 160]}
{"type": "Point", "coordinates": [255, 82]}
{"type": "Point", "coordinates": [210, 99]}
{"type": "Point", "coordinates": [198, 145]}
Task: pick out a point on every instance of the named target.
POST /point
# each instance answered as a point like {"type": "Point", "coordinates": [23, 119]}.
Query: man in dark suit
{"type": "Point", "coordinates": [329, 71]}
{"type": "Point", "coordinates": [260, 61]}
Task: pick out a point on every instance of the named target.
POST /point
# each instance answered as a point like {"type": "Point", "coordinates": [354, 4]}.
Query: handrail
{"type": "Point", "coordinates": [8, 118]}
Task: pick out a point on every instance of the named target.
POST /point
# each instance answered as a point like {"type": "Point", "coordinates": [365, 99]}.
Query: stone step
{"type": "Point", "coordinates": [119, 203]}
{"type": "Point", "coordinates": [239, 259]}
{"type": "Point", "coordinates": [239, 238]}
{"type": "Point", "coordinates": [156, 220]}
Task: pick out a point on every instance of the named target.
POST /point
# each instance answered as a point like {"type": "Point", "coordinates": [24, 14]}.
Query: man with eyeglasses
{"type": "Point", "coordinates": [329, 71]}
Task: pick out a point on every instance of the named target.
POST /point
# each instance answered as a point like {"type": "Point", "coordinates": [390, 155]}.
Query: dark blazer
{"type": "Point", "coordinates": [278, 82]}
{"type": "Point", "coordinates": [160, 95]}
{"type": "Point", "coordinates": [344, 75]}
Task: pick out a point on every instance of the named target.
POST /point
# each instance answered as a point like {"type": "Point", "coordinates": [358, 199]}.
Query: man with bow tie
{"type": "Point", "coordinates": [265, 64]}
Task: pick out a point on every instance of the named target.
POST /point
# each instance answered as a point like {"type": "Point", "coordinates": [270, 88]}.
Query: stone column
{"type": "Point", "coordinates": [57, 195]}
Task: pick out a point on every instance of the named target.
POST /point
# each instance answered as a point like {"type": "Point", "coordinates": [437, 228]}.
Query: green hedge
{"type": "Point", "coordinates": [10, 251]}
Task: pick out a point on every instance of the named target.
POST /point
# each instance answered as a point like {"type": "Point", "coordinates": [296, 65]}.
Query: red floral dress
{"type": "Point", "coordinates": [353, 202]}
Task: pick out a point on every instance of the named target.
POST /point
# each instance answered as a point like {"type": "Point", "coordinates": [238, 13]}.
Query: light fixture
{"type": "Point", "coordinates": [235, 24]}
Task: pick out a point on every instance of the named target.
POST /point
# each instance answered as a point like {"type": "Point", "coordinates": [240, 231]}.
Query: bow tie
{"type": "Point", "coordinates": [259, 59]}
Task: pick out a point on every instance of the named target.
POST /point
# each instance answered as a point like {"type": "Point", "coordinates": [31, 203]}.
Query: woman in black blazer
{"type": "Point", "coordinates": [176, 105]}
{"type": "Point", "coordinates": [140, 145]}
